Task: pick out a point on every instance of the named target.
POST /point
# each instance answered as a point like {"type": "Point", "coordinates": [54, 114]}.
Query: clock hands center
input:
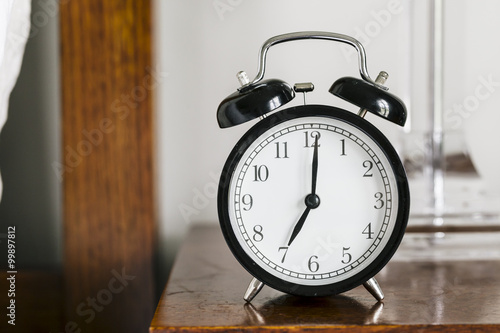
{"type": "Point", "coordinates": [312, 200]}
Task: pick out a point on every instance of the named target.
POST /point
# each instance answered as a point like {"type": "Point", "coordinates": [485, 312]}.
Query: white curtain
{"type": "Point", "coordinates": [14, 32]}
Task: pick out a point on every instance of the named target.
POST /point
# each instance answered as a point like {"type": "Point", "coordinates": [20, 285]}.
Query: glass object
{"type": "Point", "coordinates": [451, 153]}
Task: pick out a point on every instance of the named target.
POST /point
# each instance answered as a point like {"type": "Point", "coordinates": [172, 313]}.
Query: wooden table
{"type": "Point", "coordinates": [205, 289]}
{"type": "Point", "coordinates": [38, 301]}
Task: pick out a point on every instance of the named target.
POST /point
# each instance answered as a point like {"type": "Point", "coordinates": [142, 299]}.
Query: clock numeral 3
{"type": "Point", "coordinates": [379, 203]}
{"type": "Point", "coordinates": [313, 264]}
{"type": "Point", "coordinates": [258, 235]}
{"type": "Point", "coordinates": [285, 149]}
{"type": "Point", "coordinates": [261, 173]}
{"type": "Point", "coordinates": [313, 135]}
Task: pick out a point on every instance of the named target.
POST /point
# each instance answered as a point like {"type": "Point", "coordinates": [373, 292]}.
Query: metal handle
{"type": "Point", "coordinates": [313, 35]}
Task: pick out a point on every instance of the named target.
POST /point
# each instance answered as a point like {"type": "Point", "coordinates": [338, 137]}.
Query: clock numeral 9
{"type": "Point", "coordinates": [313, 135]}
{"type": "Point", "coordinates": [369, 166]}
{"type": "Point", "coordinates": [247, 200]}
{"type": "Point", "coordinates": [261, 173]}
{"type": "Point", "coordinates": [258, 235]}
{"type": "Point", "coordinates": [313, 264]}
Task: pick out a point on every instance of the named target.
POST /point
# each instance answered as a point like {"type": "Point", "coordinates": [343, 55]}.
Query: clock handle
{"type": "Point", "coordinates": [311, 35]}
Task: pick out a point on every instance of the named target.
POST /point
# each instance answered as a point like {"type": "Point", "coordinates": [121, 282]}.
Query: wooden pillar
{"type": "Point", "coordinates": [107, 164]}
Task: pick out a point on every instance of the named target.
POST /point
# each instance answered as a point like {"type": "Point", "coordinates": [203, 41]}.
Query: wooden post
{"type": "Point", "coordinates": [107, 164]}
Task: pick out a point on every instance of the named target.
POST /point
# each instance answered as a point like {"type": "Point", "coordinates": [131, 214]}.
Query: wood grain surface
{"type": "Point", "coordinates": [205, 291]}
{"type": "Point", "coordinates": [38, 300]}
{"type": "Point", "coordinates": [107, 164]}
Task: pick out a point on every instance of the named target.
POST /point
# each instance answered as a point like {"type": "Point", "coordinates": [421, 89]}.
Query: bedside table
{"type": "Point", "coordinates": [206, 286]}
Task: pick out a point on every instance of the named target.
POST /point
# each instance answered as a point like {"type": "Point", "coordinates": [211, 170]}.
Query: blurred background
{"type": "Point", "coordinates": [441, 61]}
{"type": "Point", "coordinates": [441, 57]}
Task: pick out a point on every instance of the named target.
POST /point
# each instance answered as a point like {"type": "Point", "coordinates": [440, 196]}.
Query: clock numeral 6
{"type": "Point", "coordinates": [313, 264]}
{"type": "Point", "coordinates": [258, 235]}
{"type": "Point", "coordinates": [247, 201]}
{"type": "Point", "coordinates": [261, 173]}
{"type": "Point", "coordinates": [313, 135]}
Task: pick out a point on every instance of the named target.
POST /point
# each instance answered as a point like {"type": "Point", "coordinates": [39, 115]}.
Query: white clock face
{"type": "Point", "coordinates": [352, 215]}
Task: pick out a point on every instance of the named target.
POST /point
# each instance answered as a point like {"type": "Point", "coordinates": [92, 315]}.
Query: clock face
{"type": "Point", "coordinates": [313, 200]}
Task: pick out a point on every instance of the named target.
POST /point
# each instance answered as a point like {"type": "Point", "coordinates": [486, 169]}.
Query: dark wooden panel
{"type": "Point", "coordinates": [107, 167]}
{"type": "Point", "coordinates": [38, 299]}
{"type": "Point", "coordinates": [205, 291]}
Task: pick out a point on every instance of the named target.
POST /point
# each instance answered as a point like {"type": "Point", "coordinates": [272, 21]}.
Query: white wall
{"type": "Point", "coordinates": [203, 44]}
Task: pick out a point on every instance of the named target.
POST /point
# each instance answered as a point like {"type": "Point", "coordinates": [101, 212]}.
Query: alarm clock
{"type": "Point", "coordinates": [313, 200]}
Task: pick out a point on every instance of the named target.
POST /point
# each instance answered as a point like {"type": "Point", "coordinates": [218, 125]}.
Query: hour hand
{"type": "Point", "coordinates": [299, 225]}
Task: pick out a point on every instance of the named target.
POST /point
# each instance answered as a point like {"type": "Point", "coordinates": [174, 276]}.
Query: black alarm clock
{"type": "Point", "coordinates": [313, 200]}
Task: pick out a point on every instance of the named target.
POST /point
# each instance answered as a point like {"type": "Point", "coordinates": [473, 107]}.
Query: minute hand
{"type": "Point", "coordinates": [314, 167]}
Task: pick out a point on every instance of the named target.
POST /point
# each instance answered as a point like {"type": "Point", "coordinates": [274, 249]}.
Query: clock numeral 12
{"type": "Point", "coordinates": [313, 135]}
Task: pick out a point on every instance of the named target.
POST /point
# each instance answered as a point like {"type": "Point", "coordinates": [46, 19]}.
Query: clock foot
{"type": "Point", "coordinates": [374, 289]}
{"type": "Point", "coordinates": [253, 289]}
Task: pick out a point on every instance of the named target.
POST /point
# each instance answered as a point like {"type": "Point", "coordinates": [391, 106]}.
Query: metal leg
{"type": "Point", "coordinates": [374, 289]}
{"type": "Point", "coordinates": [253, 289]}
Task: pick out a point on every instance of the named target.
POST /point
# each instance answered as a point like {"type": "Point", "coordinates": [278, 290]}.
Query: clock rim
{"type": "Point", "coordinates": [278, 118]}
